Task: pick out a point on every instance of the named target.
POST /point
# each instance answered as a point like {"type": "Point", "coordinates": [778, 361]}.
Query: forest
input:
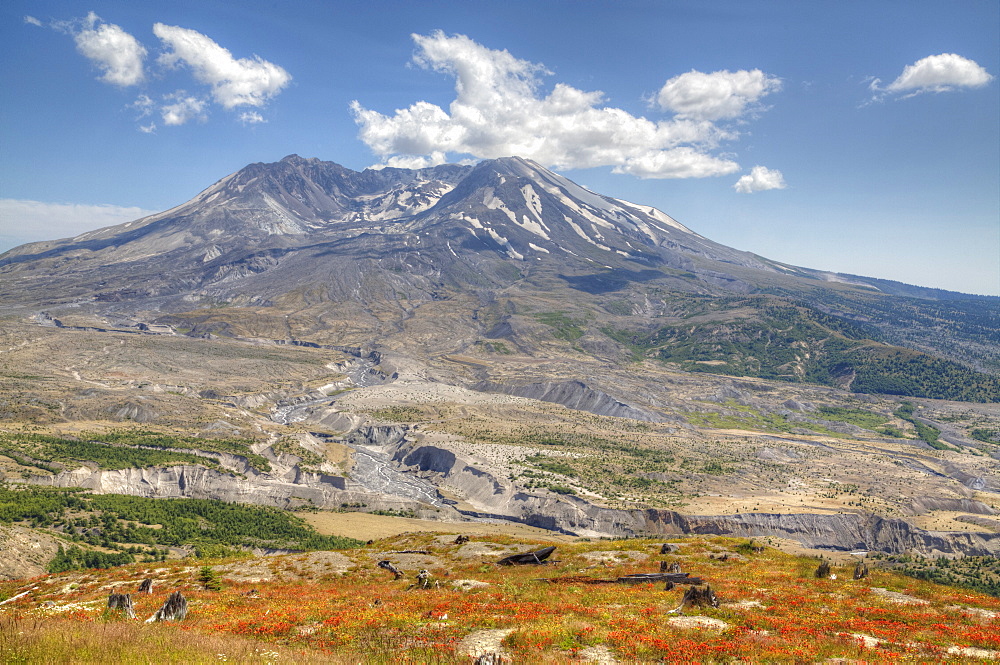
{"type": "Point", "coordinates": [110, 529]}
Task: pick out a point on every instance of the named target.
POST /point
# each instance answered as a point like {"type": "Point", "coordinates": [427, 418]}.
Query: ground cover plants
{"type": "Point", "coordinates": [104, 530]}
{"type": "Point", "coordinates": [301, 607]}
{"type": "Point", "coordinates": [121, 449]}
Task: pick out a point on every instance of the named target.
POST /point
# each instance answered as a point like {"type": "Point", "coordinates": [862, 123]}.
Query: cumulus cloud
{"type": "Point", "coordinates": [24, 221]}
{"type": "Point", "coordinates": [234, 82]}
{"type": "Point", "coordinates": [716, 96]}
{"type": "Point", "coordinates": [115, 52]}
{"type": "Point", "coordinates": [251, 118]}
{"type": "Point", "coordinates": [181, 108]}
{"type": "Point", "coordinates": [760, 179]}
{"type": "Point", "coordinates": [935, 73]}
{"type": "Point", "coordinates": [499, 110]}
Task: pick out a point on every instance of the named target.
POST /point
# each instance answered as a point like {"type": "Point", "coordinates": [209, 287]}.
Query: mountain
{"type": "Point", "coordinates": [490, 342]}
{"type": "Point", "coordinates": [325, 244]}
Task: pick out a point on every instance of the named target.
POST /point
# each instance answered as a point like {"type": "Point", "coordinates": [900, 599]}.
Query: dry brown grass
{"type": "Point", "coordinates": [364, 526]}
{"type": "Point", "coordinates": [28, 639]}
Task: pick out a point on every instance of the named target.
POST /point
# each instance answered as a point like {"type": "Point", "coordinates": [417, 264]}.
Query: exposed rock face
{"type": "Point", "coordinates": [572, 394]}
{"type": "Point", "coordinates": [378, 435]}
{"type": "Point", "coordinates": [197, 482]}
{"type": "Point", "coordinates": [24, 552]}
{"type": "Point", "coordinates": [850, 531]}
{"type": "Point", "coordinates": [929, 504]}
{"type": "Point", "coordinates": [492, 496]}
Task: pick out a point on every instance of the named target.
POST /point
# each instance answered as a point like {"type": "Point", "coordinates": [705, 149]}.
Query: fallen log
{"type": "Point", "coordinates": [646, 578]}
{"type": "Point", "coordinates": [535, 557]}
{"type": "Point", "coordinates": [387, 565]}
{"type": "Point", "coordinates": [639, 578]}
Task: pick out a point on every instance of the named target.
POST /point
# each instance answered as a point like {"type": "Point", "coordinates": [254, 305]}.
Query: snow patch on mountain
{"type": "Point", "coordinates": [579, 232]}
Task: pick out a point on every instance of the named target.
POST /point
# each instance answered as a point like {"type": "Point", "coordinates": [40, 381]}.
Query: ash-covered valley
{"type": "Point", "coordinates": [496, 343]}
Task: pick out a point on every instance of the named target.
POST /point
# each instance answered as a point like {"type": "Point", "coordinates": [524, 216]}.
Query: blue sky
{"type": "Point", "coordinates": [858, 137]}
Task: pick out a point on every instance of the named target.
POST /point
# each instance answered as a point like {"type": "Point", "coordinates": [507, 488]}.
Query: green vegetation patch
{"type": "Point", "coordinates": [979, 573]}
{"type": "Point", "coordinates": [926, 433]}
{"type": "Point", "coordinates": [563, 327]}
{"type": "Point", "coordinates": [163, 440]}
{"type": "Point", "coordinates": [106, 456]}
{"type": "Point", "coordinates": [859, 417]}
{"type": "Point", "coordinates": [751, 419]}
{"type": "Point", "coordinates": [773, 338]}
{"type": "Point", "coordinates": [122, 523]}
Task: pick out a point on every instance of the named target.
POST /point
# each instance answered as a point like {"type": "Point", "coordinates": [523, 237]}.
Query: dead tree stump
{"type": "Point", "coordinates": [146, 586]}
{"type": "Point", "coordinates": [461, 540]}
{"type": "Point", "coordinates": [823, 570]}
{"type": "Point", "coordinates": [491, 659]}
{"type": "Point", "coordinates": [387, 565]}
{"type": "Point", "coordinates": [668, 567]}
{"type": "Point", "coordinates": [423, 580]}
{"type": "Point", "coordinates": [668, 548]}
{"type": "Point", "coordinates": [697, 596]}
{"type": "Point", "coordinates": [123, 602]}
{"type": "Point", "coordinates": [174, 609]}
{"type": "Point", "coordinates": [860, 570]}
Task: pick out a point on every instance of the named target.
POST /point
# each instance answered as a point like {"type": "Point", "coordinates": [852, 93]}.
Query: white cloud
{"type": "Point", "coordinates": [716, 96]}
{"type": "Point", "coordinates": [31, 20]}
{"type": "Point", "coordinates": [115, 52]}
{"type": "Point", "coordinates": [182, 107]}
{"type": "Point", "coordinates": [935, 73]}
{"type": "Point", "coordinates": [251, 118]}
{"type": "Point", "coordinates": [24, 221]}
{"type": "Point", "coordinates": [148, 129]}
{"type": "Point", "coordinates": [498, 111]}
{"type": "Point", "coordinates": [143, 105]}
{"type": "Point", "coordinates": [235, 82]}
{"type": "Point", "coordinates": [760, 179]}
{"type": "Point", "coordinates": [939, 73]}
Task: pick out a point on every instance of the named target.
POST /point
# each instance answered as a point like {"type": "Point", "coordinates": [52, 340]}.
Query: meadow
{"type": "Point", "coordinates": [341, 607]}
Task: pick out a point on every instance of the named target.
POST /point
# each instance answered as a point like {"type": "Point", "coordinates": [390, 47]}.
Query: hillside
{"type": "Point", "coordinates": [489, 342]}
{"type": "Point", "coordinates": [341, 607]}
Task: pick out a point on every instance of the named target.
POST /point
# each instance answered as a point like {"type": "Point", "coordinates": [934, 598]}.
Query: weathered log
{"type": "Point", "coordinates": [20, 595]}
{"type": "Point", "coordinates": [123, 602]}
{"type": "Point", "coordinates": [461, 540]}
{"type": "Point", "coordinates": [174, 608]}
{"type": "Point", "coordinates": [146, 586]}
{"type": "Point", "coordinates": [860, 570]}
{"type": "Point", "coordinates": [386, 564]}
{"type": "Point", "coordinates": [639, 578]}
{"type": "Point", "coordinates": [823, 570]}
{"type": "Point", "coordinates": [668, 548]}
{"type": "Point", "coordinates": [647, 578]}
{"type": "Point", "coordinates": [535, 557]}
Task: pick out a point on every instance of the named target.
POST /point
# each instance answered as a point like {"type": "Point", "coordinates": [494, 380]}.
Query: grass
{"type": "Point", "coordinates": [773, 609]}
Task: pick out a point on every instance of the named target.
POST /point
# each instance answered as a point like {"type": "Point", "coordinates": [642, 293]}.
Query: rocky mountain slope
{"type": "Point", "coordinates": [495, 342]}
{"type": "Point", "coordinates": [324, 244]}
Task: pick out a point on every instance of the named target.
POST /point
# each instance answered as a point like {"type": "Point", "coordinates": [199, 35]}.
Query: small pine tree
{"type": "Point", "coordinates": [208, 579]}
